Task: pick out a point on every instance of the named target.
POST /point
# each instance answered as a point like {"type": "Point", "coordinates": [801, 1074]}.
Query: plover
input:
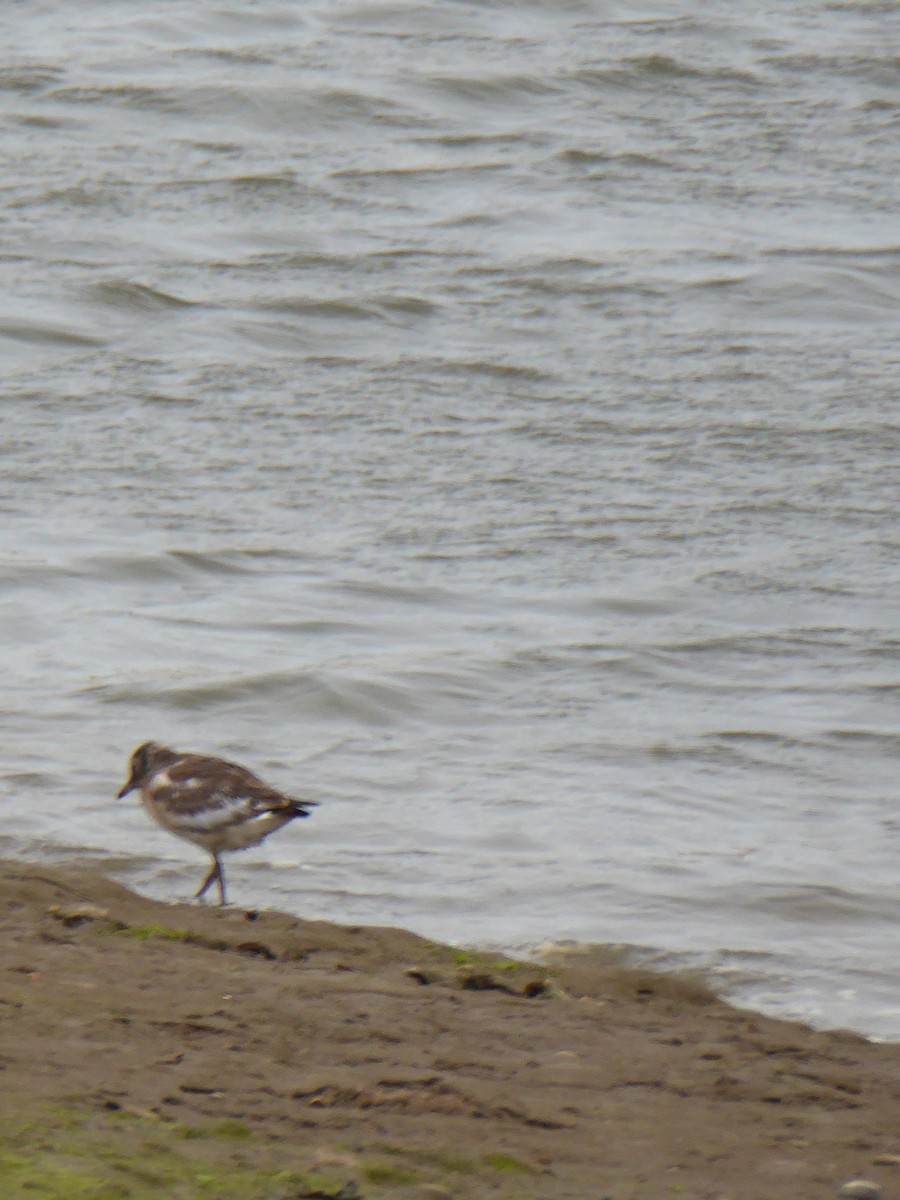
{"type": "Point", "coordinates": [208, 801]}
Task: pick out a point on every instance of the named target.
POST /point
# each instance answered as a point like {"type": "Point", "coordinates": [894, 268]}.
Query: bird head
{"type": "Point", "coordinates": [139, 766]}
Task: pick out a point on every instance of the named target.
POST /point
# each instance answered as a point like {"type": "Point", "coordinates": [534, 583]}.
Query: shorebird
{"type": "Point", "coordinates": [208, 801]}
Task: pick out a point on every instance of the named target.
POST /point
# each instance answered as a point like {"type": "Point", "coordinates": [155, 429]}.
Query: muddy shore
{"type": "Point", "coordinates": [153, 1050]}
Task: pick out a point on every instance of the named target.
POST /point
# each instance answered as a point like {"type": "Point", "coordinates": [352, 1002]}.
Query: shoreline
{"type": "Point", "coordinates": [223, 1053]}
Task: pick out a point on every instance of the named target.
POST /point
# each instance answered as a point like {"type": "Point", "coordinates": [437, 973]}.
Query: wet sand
{"type": "Point", "coordinates": [153, 1049]}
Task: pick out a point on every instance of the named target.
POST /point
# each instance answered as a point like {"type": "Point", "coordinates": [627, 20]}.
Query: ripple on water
{"type": "Point", "coordinates": [483, 416]}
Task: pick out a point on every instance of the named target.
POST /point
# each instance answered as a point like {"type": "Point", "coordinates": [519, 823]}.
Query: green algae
{"type": "Point", "coordinates": [57, 1155]}
{"type": "Point", "coordinates": [506, 1162]}
{"type": "Point", "coordinates": [384, 1176]}
{"type": "Point", "coordinates": [142, 932]}
{"type": "Point", "coordinates": [233, 1129]}
{"type": "Point", "coordinates": [447, 1164]}
{"type": "Point", "coordinates": [471, 958]}
{"type": "Point", "coordinates": [450, 1164]}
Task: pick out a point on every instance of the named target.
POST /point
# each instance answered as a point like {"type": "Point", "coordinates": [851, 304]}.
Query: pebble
{"type": "Point", "coordinates": [423, 976]}
{"type": "Point", "coordinates": [860, 1189]}
{"type": "Point", "coordinates": [77, 914]}
{"type": "Point", "coordinates": [536, 987]}
{"type": "Point", "coordinates": [331, 1157]}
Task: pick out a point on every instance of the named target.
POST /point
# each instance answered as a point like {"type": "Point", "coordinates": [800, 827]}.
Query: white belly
{"type": "Point", "coordinates": [218, 829]}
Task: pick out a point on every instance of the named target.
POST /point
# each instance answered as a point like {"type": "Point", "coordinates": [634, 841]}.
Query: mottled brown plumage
{"type": "Point", "coordinates": [208, 801]}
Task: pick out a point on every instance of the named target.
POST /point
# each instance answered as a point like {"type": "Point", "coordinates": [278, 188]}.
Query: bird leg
{"type": "Point", "coordinates": [216, 873]}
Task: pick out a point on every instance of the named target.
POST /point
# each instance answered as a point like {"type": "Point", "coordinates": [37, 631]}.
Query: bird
{"type": "Point", "coordinates": [209, 801]}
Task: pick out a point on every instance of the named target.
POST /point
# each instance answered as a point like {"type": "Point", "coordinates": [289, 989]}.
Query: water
{"type": "Point", "coordinates": [481, 418]}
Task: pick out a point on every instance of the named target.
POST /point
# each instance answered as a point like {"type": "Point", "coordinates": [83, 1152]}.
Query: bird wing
{"type": "Point", "coordinates": [209, 792]}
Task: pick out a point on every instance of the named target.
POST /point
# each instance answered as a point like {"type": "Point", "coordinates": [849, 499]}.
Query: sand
{"type": "Point", "coordinates": [153, 1049]}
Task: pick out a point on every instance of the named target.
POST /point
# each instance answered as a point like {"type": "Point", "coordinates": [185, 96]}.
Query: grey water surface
{"type": "Point", "coordinates": [481, 418]}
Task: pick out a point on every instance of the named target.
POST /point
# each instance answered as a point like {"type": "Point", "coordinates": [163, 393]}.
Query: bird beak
{"type": "Point", "coordinates": [129, 787]}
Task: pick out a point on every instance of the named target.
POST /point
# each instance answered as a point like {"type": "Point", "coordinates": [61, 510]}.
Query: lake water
{"type": "Point", "coordinates": [482, 418]}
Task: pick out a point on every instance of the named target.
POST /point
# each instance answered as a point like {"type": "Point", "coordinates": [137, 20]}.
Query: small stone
{"type": "Point", "coordinates": [330, 1157]}
{"type": "Point", "coordinates": [256, 950]}
{"type": "Point", "coordinates": [860, 1189]}
{"type": "Point", "coordinates": [472, 980]}
{"type": "Point", "coordinates": [535, 987]}
{"type": "Point", "coordinates": [476, 981]}
{"type": "Point", "coordinates": [886, 1160]}
{"type": "Point", "coordinates": [76, 914]}
{"type": "Point", "coordinates": [420, 975]}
